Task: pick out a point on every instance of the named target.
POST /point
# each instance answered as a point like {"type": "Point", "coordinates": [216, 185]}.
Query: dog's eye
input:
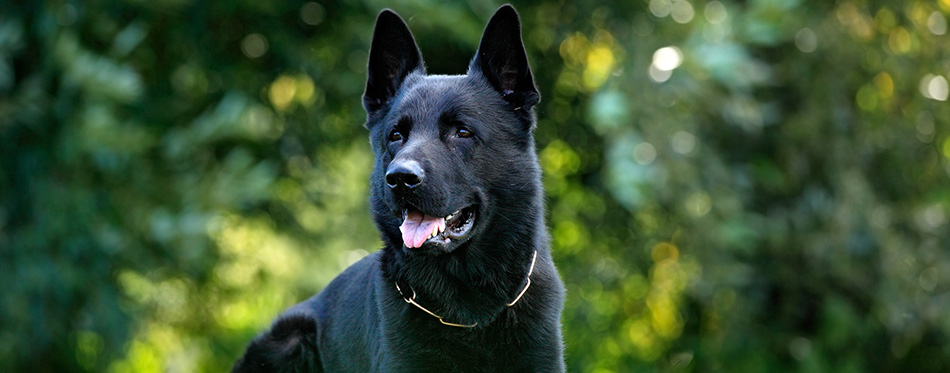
{"type": "Point", "coordinates": [395, 136]}
{"type": "Point", "coordinates": [464, 133]}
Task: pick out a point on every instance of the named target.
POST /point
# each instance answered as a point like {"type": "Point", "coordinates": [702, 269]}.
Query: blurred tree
{"type": "Point", "coordinates": [739, 186]}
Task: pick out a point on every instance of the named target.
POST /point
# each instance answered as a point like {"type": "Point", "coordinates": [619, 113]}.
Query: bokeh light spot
{"type": "Point", "coordinates": [666, 319]}
{"type": "Point", "coordinates": [924, 85]}
{"type": "Point", "coordinates": [899, 41]}
{"type": "Point", "coordinates": [636, 287]}
{"type": "Point", "coordinates": [925, 127]}
{"type": "Point", "coordinates": [644, 153]}
{"type": "Point", "coordinates": [928, 279]}
{"type": "Point", "coordinates": [569, 236]}
{"type": "Point", "coordinates": [661, 8]}
{"type": "Point", "coordinates": [304, 89]}
{"type": "Point", "coordinates": [933, 217]}
{"type": "Point", "coordinates": [667, 58]}
{"type": "Point", "coordinates": [805, 40]}
{"type": "Point", "coordinates": [664, 251]}
{"type": "Point", "coordinates": [698, 204]}
{"type": "Point", "coordinates": [609, 109]}
{"type": "Point", "coordinates": [254, 45]}
{"type": "Point", "coordinates": [558, 159]}
{"type": "Point", "coordinates": [682, 11]}
{"type": "Point", "coordinates": [67, 15]}
{"type": "Point", "coordinates": [937, 88]}
{"type": "Point", "coordinates": [934, 87]}
{"type": "Point", "coordinates": [884, 20]}
{"type": "Point", "coordinates": [715, 12]}
{"type": "Point", "coordinates": [352, 256]}
{"type": "Point", "coordinates": [642, 337]}
{"type": "Point", "coordinates": [312, 13]}
{"type": "Point", "coordinates": [600, 62]}
{"type": "Point", "coordinates": [937, 23]}
{"type": "Point", "coordinates": [858, 23]}
{"type": "Point", "coordinates": [574, 50]}
{"type": "Point", "coordinates": [884, 84]}
{"type": "Point", "coordinates": [867, 98]}
{"type": "Point", "coordinates": [658, 75]}
{"type": "Point", "coordinates": [714, 33]}
{"type": "Point", "coordinates": [88, 346]}
{"type": "Point", "coordinates": [289, 89]}
{"type": "Point", "coordinates": [683, 142]}
{"type": "Point", "coordinates": [799, 348]}
{"type": "Point", "coordinates": [281, 92]}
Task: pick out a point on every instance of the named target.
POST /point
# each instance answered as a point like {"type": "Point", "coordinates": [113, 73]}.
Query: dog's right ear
{"type": "Point", "coordinates": [392, 56]}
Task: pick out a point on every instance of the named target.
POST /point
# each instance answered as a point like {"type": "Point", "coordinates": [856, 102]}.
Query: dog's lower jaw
{"type": "Point", "coordinates": [442, 234]}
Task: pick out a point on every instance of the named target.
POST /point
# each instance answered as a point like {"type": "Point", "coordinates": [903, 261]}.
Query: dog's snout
{"type": "Point", "coordinates": [404, 174]}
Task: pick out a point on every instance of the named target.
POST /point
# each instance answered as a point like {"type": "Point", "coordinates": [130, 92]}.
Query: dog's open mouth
{"type": "Point", "coordinates": [418, 228]}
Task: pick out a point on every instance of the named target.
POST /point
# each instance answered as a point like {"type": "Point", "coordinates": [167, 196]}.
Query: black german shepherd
{"type": "Point", "coordinates": [465, 281]}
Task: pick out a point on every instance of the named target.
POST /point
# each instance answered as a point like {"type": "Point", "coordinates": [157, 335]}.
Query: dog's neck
{"type": "Point", "coordinates": [474, 283]}
{"type": "Point", "coordinates": [412, 299]}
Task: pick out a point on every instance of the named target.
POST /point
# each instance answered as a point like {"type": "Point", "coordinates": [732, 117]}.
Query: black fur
{"type": "Point", "coordinates": [360, 322]}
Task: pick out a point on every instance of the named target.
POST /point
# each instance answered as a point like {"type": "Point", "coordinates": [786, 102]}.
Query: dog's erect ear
{"type": "Point", "coordinates": [501, 58]}
{"type": "Point", "coordinates": [392, 56]}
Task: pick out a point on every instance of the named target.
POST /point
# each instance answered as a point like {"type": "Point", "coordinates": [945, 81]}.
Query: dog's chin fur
{"type": "Point", "coordinates": [363, 321]}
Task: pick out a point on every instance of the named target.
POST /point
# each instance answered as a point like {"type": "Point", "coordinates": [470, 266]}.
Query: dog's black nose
{"type": "Point", "coordinates": [404, 174]}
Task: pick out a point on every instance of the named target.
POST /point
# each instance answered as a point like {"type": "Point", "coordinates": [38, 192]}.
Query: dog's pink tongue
{"type": "Point", "coordinates": [417, 228]}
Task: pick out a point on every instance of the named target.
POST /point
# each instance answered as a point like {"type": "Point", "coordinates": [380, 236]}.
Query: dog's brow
{"type": "Point", "coordinates": [450, 116]}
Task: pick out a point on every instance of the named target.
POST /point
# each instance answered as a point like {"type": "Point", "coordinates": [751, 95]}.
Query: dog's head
{"type": "Point", "coordinates": [455, 160]}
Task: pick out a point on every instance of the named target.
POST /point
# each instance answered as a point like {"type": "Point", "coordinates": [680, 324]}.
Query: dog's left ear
{"type": "Point", "coordinates": [501, 58]}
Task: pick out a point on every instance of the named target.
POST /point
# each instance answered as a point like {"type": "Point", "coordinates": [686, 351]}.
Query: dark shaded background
{"type": "Point", "coordinates": [750, 186]}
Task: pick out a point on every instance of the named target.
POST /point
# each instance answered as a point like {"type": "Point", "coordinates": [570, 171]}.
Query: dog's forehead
{"type": "Point", "coordinates": [435, 94]}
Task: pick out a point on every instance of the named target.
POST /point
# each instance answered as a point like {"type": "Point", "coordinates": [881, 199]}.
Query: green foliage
{"type": "Point", "coordinates": [733, 186]}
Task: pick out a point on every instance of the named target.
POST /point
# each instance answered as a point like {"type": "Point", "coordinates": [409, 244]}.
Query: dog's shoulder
{"type": "Point", "coordinates": [293, 342]}
{"type": "Point", "coordinates": [290, 345]}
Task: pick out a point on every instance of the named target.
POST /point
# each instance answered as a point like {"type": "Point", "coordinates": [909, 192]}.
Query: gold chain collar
{"type": "Point", "coordinates": [412, 300]}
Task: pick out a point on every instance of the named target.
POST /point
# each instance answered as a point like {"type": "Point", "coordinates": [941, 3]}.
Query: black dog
{"type": "Point", "coordinates": [465, 281]}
